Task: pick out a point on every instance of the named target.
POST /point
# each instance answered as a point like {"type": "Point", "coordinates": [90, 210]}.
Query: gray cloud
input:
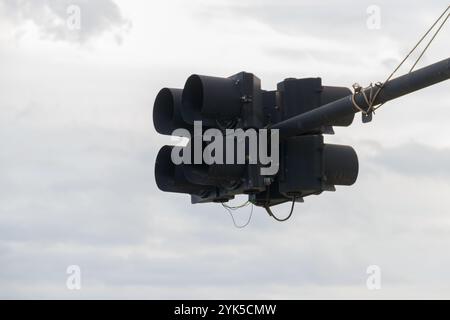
{"type": "Point", "coordinates": [318, 19]}
{"type": "Point", "coordinates": [415, 159]}
{"type": "Point", "coordinates": [50, 16]}
{"type": "Point", "coordinates": [343, 25]}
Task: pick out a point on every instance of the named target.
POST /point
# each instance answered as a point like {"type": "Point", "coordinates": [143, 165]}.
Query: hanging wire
{"type": "Point", "coordinates": [432, 38]}
{"type": "Point", "coordinates": [230, 209]}
{"type": "Point", "coordinates": [419, 42]}
{"type": "Point", "coordinates": [371, 101]}
{"type": "Point", "coordinates": [236, 207]}
{"type": "Point", "coordinates": [269, 211]}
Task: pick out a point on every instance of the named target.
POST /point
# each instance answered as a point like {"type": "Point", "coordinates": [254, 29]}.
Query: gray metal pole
{"type": "Point", "coordinates": [416, 80]}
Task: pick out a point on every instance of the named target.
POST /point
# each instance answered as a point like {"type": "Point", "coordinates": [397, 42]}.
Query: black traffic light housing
{"type": "Point", "coordinates": [306, 166]}
{"type": "Point", "coordinates": [233, 102]}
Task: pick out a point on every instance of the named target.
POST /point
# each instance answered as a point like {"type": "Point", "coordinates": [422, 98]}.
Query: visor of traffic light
{"type": "Point", "coordinates": [340, 165]}
{"type": "Point", "coordinates": [210, 100]}
{"type": "Point", "coordinates": [330, 94]}
{"type": "Point", "coordinates": [170, 177]}
{"type": "Point", "coordinates": [167, 111]}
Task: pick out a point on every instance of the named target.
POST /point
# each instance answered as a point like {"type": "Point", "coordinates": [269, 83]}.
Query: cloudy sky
{"type": "Point", "coordinates": [77, 151]}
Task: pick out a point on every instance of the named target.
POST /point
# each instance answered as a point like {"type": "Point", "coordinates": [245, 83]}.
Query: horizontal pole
{"type": "Point", "coordinates": [416, 80]}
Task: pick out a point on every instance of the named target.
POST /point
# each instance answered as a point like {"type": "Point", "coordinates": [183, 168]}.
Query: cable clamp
{"type": "Point", "coordinates": [367, 113]}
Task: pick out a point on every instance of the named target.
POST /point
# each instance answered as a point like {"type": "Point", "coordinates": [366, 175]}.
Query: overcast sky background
{"type": "Point", "coordinates": [77, 152]}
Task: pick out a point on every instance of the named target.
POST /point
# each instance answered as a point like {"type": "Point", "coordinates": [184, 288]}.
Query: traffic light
{"type": "Point", "coordinates": [167, 112]}
{"type": "Point", "coordinates": [308, 166]}
{"type": "Point", "coordinates": [212, 111]}
{"type": "Point", "coordinates": [233, 102]}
